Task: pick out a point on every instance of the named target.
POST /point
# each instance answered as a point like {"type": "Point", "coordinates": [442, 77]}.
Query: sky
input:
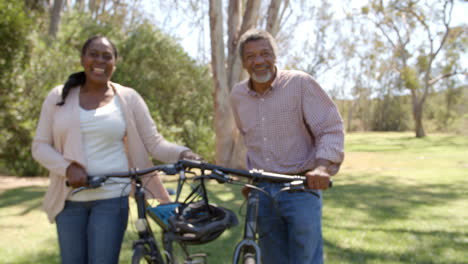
{"type": "Point", "coordinates": [190, 37]}
{"type": "Point", "coordinates": [196, 42]}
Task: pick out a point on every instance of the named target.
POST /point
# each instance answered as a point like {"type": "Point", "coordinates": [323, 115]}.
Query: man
{"type": "Point", "coordinates": [289, 126]}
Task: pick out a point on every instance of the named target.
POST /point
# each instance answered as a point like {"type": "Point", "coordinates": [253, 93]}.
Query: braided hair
{"type": "Point", "coordinates": [79, 78]}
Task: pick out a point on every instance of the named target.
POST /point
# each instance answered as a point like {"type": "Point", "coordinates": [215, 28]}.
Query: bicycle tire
{"type": "Point", "coordinates": [249, 259]}
{"type": "Point", "coordinates": [176, 254]}
{"type": "Point", "coordinates": [140, 255]}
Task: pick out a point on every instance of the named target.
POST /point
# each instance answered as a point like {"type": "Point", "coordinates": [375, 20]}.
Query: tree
{"type": "Point", "coordinates": [15, 25]}
{"type": "Point", "coordinates": [55, 16]}
{"type": "Point", "coordinates": [176, 89]}
{"type": "Point", "coordinates": [322, 41]}
{"type": "Point", "coordinates": [417, 33]}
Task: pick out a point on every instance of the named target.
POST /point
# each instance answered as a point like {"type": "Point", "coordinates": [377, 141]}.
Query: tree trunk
{"type": "Point", "coordinates": [224, 121]}
{"type": "Point", "coordinates": [273, 20]}
{"type": "Point", "coordinates": [234, 26]}
{"type": "Point", "coordinates": [93, 7]}
{"type": "Point", "coordinates": [79, 4]}
{"type": "Point", "coordinates": [417, 116]}
{"type": "Point", "coordinates": [230, 149]}
{"type": "Point", "coordinates": [55, 18]}
{"type": "Point", "coordinates": [353, 105]}
{"type": "Point", "coordinates": [103, 6]}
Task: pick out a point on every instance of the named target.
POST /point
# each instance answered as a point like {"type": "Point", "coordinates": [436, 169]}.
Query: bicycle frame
{"type": "Point", "coordinates": [146, 247]}
{"type": "Point", "coordinates": [146, 237]}
{"type": "Point", "coordinates": [247, 250]}
{"type": "Point", "coordinates": [248, 246]}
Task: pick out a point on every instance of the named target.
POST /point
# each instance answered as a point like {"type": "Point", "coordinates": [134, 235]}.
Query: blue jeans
{"type": "Point", "coordinates": [92, 232]}
{"type": "Point", "coordinates": [290, 230]}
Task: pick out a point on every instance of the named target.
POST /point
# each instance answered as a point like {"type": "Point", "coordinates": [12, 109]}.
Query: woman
{"type": "Point", "coordinates": [93, 126]}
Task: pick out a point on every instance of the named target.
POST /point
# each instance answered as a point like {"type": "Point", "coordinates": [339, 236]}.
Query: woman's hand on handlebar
{"type": "Point", "coordinates": [318, 178]}
{"type": "Point", "coordinates": [189, 155]}
{"type": "Point", "coordinates": [76, 176]}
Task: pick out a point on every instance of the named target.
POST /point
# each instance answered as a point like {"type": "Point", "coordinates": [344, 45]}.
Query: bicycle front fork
{"type": "Point", "coordinates": [248, 247]}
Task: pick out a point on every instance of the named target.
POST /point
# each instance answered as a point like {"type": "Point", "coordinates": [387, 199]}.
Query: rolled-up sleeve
{"type": "Point", "coordinates": [324, 121]}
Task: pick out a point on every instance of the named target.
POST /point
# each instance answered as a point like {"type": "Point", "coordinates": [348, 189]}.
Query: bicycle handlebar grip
{"type": "Point", "coordinates": [93, 182]}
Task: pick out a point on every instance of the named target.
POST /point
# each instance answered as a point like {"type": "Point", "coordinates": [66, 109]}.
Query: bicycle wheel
{"type": "Point", "coordinates": [175, 254]}
{"type": "Point", "coordinates": [250, 259]}
{"type": "Point", "coordinates": [140, 255]}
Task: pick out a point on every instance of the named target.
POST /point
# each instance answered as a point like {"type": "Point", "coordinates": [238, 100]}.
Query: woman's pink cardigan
{"type": "Point", "coordinates": [57, 143]}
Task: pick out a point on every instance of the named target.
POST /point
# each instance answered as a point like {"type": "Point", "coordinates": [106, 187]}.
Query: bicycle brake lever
{"type": "Point", "coordinates": [294, 186]}
{"type": "Point", "coordinates": [220, 176]}
{"type": "Point", "coordinates": [93, 183]}
{"type": "Point", "coordinates": [172, 170]}
{"type": "Point", "coordinates": [79, 189]}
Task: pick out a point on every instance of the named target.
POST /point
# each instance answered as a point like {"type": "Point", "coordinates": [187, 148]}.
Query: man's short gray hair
{"type": "Point", "coordinates": [256, 34]}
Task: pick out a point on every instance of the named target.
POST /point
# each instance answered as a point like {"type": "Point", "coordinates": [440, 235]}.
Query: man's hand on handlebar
{"type": "Point", "coordinates": [76, 176]}
{"type": "Point", "coordinates": [318, 178]}
{"type": "Point", "coordinates": [245, 192]}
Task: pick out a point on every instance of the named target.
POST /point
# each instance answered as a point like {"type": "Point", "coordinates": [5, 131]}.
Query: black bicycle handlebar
{"type": "Point", "coordinates": [95, 181]}
{"type": "Point", "coordinates": [253, 174]}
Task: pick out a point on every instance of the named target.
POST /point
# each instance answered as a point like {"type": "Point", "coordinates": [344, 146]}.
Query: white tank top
{"type": "Point", "coordinates": [102, 131]}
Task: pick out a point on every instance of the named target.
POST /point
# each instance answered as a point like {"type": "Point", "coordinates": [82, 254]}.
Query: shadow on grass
{"type": "Point", "coordinates": [354, 255]}
{"type": "Point", "coordinates": [397, 144]}
{"type": "Point", "coordinates": [417, 253]}
{"type": "Point", "coordinates": [38, 258]}
{"type": "Point", "coordinates": [385, 199]}
{"type": "Point", "coordinates": [50, 256]}
{"type": "Point", "coordinates": [30, 198]}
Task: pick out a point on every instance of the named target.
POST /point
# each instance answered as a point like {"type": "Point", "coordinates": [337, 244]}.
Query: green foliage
{"type": "Point", "coordinates": [422, 63]}
{"type": "Point", "coordinates": [390, 114]}
{"type": "Point", "coordinates": [15, 126]}
{"type": "Point", "coordinates": [48, 65]}
{"type": "Point", "coordinates": [446, 110]}
{"type": "Point", "coordinates": [176, 89]}
{"type": "Point", "coordinates": [200, 137]}
{"type": "Point", "coordinates": [365, 10]}
{"type": "Point", "coordinates": [410, 78]}
{"type": "Point", "coordinates": [14, 26]}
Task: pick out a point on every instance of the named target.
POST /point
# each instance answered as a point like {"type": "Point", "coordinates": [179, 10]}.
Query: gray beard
{"type": "Point", "coordinates": [265, 78]}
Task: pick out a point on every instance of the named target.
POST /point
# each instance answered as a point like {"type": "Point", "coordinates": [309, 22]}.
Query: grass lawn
{"type": "Point", "coordinates": [397, 199]}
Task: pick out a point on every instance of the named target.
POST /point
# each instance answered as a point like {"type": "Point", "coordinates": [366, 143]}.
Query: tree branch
{"type": "Point", "coordinates": [444, 76]}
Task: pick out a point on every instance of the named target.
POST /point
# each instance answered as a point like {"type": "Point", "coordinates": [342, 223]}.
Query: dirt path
{"type": "Point", "coordinates": [10, 182]}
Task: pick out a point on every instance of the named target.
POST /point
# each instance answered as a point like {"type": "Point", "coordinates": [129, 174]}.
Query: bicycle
{"type": "Point", "coordinates": [247, 250]}
{"type": "Point", "coordinates": [170, 217]}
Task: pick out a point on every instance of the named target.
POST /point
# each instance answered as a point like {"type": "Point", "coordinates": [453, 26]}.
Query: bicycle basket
{"type": "Point", "coordinates": [200, 222]}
